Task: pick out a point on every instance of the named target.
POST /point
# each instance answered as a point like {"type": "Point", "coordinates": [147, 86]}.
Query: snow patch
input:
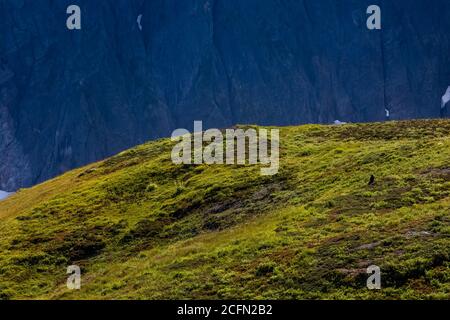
{"type": "Point", "coordinates": [4, 195]}
{"type": "Point", "coordinates": [445, 98]}
{"type": "Point", "coordinates": [139, 19]}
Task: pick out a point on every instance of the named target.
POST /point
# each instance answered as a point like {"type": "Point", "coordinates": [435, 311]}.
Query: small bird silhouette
{"type": "Point", "coordinates": [372, 180]}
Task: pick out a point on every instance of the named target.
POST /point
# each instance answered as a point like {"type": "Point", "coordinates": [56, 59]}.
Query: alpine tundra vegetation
{"type": "Point", "coordinates": [140, 226]}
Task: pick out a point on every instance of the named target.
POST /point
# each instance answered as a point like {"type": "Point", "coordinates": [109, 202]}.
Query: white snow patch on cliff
{"type": "Point", "coordinates": [139, 19]}
{"type": "Point", "coordinates": [446, 97]}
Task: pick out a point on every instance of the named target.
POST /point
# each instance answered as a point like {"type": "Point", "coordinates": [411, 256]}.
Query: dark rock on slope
{"type": "Point", "coordinates": [72, 97]}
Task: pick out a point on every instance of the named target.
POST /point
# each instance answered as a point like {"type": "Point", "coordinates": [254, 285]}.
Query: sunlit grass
{"type": "Point", "coordinates": [143, 228]}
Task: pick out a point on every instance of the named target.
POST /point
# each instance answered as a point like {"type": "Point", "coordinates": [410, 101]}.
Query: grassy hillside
{"type": "Point", "coordinates": [141, 227]}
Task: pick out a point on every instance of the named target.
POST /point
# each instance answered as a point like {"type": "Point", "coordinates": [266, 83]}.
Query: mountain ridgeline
{"type": "Point", "coordinates": [139, 69]}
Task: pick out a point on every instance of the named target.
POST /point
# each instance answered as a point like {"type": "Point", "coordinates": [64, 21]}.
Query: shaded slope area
{"type": "Point", "coordinates": [141, 227]}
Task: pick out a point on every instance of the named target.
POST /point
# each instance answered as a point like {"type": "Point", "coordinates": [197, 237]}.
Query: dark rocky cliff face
{"type": "Point", "coordinates": [68, 98]}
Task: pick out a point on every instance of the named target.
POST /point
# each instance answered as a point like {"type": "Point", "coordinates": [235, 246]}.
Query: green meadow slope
{"type": "Point", "coordinates": [142, 227]}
